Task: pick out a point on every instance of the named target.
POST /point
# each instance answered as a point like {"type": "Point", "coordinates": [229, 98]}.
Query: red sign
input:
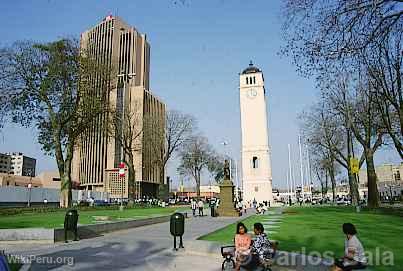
{"type": "Point", "coordinates": [122, 170]}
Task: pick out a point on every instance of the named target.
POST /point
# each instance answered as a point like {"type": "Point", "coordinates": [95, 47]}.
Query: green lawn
{"type": "Point", "coordinates": [14, 266]}
{"type": "Point", "coordinates": [319, 229]}
{"type": "Point", "coordinates": [56, 219]}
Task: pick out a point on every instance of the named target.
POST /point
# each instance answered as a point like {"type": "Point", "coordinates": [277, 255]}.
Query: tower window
{"type": "Point", "coordinates": [255, 162]}
{"type": "Point", "coordinates": [247, 81]}
{"type": "Point", "coordinates": [254, 80]}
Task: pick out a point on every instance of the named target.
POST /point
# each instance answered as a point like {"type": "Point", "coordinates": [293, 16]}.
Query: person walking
{"type": "Point", "coordinates": [193, 205]}
{"type": "Point", "coordinates": [200, 204]}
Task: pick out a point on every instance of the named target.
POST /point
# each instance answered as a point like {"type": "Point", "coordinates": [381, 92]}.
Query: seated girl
{"type": "Point", "coordinates": [353, 251]}
{"type": "Point", "coordinates": [242, 245]}
{"type": "Point", "coordinates": [262, 246]}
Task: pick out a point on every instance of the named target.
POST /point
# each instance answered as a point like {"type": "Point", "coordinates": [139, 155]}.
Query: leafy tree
{"type": "Point", "coordinates": [50, 86]}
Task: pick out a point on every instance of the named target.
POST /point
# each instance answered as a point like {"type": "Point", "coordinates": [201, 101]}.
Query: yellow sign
{"type": "Point", "coordinates": [354, 165]}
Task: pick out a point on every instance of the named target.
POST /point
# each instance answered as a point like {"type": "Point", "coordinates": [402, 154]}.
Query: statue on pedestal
{"type": "Point", "coordinates": [226, 171]}
{"type": "Point", "coordinates": [227, 194]}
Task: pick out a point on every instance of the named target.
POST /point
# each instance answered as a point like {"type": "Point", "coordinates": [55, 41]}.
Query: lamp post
{"type": "Point", "coordinates": [122, 176]}
{"type": "Point", "coordinates": [125, 77]}
{"type": "Point", "coordinates": [29, 187]}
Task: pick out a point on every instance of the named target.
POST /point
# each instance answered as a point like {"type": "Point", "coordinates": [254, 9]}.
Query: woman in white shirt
{"type": "Point", "coordinates": [354, 257]}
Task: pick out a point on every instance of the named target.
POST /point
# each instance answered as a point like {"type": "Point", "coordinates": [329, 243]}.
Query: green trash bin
{"type": "Point", "coordinates": [70, 224]}
{"type": "Point", "coordinates": [177, 228]}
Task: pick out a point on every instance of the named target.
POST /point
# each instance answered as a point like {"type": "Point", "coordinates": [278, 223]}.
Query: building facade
{"type": "Point", "coordinates": [98, 155]}
{"type": "Point", "coordinates": [49, 179]}
{"type": "Point", "coordinates": [255, 151]}
{"type": "Point", "coordinates": [387, 174]}
{"type": "Point", "coordinates": [17, 163]}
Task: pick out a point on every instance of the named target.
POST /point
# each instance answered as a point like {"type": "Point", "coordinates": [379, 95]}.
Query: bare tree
{"type": "Point", "coordinates": [50, 86]}
{"type": "Point", "coordinates": [383, 62]}
{"type": "Point", "coordinates": [322, 176]}
{"type": "Point", "coordinates": [319, 33]}
{"type": "Point", "coordinates": [125, 127]}
{"type": "Point", "coordinates": [326, 132]}
{"type": "Point", "coordinates": [356, 103]}
{"type": "Point", "coordinates": [195, 157]}
{"type": "Point", "coordinates": [178, 130]}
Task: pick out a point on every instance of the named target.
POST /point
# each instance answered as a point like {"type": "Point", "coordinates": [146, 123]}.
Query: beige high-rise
{"type": "Point", "coordinates": [98, 156]}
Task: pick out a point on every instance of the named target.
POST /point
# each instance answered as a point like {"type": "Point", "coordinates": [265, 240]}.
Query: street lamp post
{"type": "Point", "coordinates": [125, 76]}
{"type": "Point", "coordinates": [29, 188]}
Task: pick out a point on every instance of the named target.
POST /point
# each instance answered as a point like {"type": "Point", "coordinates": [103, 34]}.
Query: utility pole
{"type": "Point", "coordinates": [309, 170]}
{"type": "Point", "coordinates": [288, 188]}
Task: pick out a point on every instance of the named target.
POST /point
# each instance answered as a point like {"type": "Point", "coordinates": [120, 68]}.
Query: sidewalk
{"type": "Point", "coordinates": [145, 248]}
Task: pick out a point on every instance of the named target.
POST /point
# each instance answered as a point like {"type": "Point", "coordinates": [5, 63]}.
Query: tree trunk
{"type": "Point", "coordinates": [352, 180]}
{"type": "Point", "coordinates": [66, 198]}
{"type": "Point", "coordinates": [333, 180]}
{"type": "Point", "coordinates": [373, 195]}
{"type": "Point", "coordinates": [161, 191]}
{"type": "Point", "coordinates": [198, 184]}
{"type": "Point", "coordinates": [131, 179]}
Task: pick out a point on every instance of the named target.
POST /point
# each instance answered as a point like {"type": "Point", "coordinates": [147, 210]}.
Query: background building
{"type": "Point", "coordinates": [17, 163]}
{"type": "Point", "coordinates": [5, 163]}
{"type": "Point", "coordinates": [48, 179]}
{"type": "Point", "coordinates": [206, 192]}
{"type": "Point", "coordinates": [98, 156]}
{"type": "Point", "coordinates": [387, 174]}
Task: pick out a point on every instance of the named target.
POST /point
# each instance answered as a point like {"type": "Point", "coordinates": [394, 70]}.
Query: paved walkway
{"type": "Point", "coordinates": [145, 248]}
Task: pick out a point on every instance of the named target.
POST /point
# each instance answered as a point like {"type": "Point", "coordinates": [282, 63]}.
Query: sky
{"type": "Point", "coordinates": [198, 48]}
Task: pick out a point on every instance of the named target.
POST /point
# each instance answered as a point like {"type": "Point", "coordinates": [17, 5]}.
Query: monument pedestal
{"type": "Point", "coordinates": [227, 200]}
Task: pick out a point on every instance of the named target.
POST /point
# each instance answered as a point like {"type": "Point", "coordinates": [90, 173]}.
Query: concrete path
{"type": "Point", "coordinates": [145, 248]}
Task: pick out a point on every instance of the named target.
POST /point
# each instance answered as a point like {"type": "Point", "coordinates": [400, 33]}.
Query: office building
{"type": "Point", "coordinates": [97, 156]}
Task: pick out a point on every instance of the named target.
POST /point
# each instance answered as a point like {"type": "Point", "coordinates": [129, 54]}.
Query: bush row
{"type": "Point", "coordinates": [24, 210]}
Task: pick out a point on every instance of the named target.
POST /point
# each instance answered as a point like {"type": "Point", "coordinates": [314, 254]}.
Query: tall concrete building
{"type": "Point", "coordinates": [97, 157]}
{"type": "Point", "coordinates": [255, 150]}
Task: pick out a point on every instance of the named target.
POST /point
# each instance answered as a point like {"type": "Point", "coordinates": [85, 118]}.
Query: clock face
{"type": "Point", "coordinates": [252, 93]}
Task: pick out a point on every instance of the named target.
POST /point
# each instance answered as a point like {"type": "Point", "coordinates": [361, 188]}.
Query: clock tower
{"type": "Point", "coordinates": [255, 151]}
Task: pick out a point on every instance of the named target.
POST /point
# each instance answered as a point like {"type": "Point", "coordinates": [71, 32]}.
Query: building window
{"type": "Point", "coordinates": [255, 162]}
{"type": "Point", "coordinates": [247, 80]}
{"type": "Point", "coordinates": [8, 183]}
{"type": "Point", "coordinates": [256, 189]}
{"type": "Point", "coordinates": [254, 80]}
